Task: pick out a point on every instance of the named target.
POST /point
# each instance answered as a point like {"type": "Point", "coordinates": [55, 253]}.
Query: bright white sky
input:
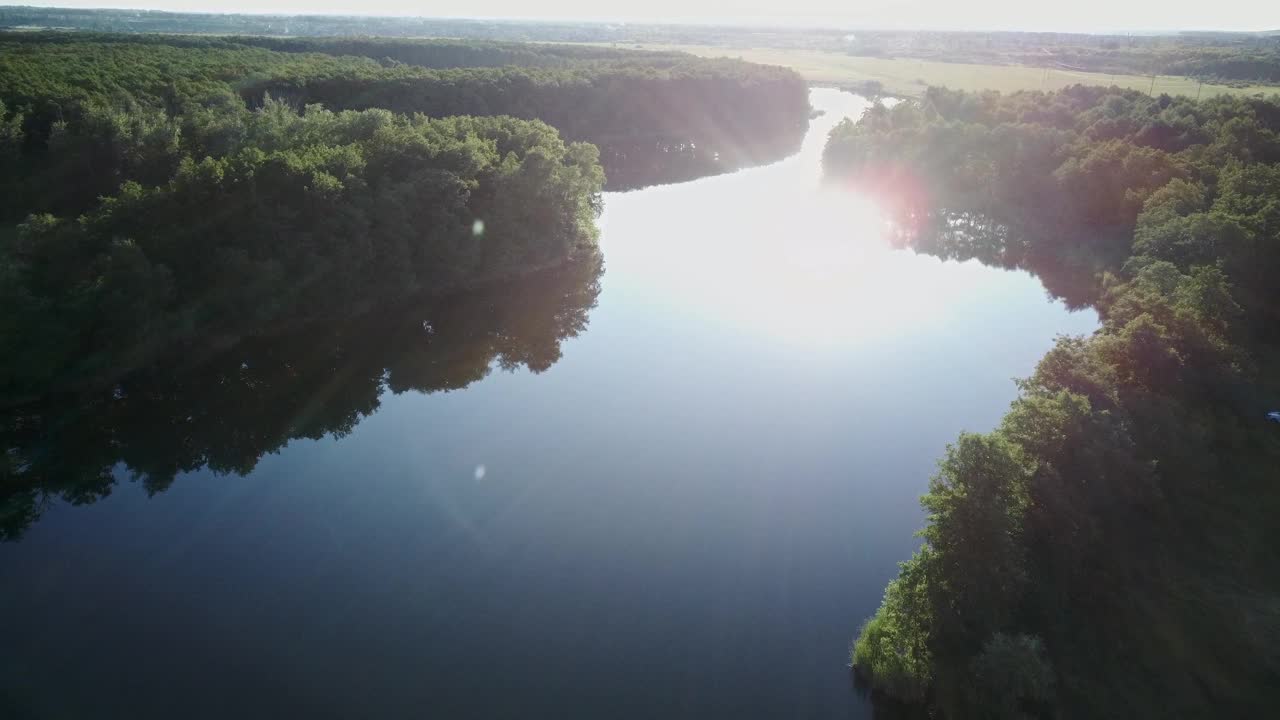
{"type": "Point", "coordinates": [1071, 15]}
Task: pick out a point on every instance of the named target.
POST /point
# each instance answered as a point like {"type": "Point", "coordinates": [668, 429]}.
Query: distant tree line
{"type": "Point", "coordinates": [1230, 65]}
{"type": "Point", "coordinates": [442, 54]}
{"type": "Point", "coordinates": [158, 21]}
{"type": "Point", "coordinates": [1110, 550]}
{"type": "Point", "coordinates": [154, 21]}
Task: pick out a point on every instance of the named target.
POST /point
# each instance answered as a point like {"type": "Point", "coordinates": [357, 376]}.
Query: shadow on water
{"type": "Point", "coordinates": [226, 413]}
{"type": "Point", "coordinates": [885, 707]}
{"type": "Point", "coordinates": [1067, 270]}
{"type": "Point", "coordinates": [637, 164]}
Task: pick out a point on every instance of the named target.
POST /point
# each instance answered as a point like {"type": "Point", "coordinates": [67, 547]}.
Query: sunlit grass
{"type": "Point", "coordinates": [906, 76]}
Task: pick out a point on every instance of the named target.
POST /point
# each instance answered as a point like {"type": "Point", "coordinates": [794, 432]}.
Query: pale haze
{"type": "Point", "coordinates": [1077, 16]}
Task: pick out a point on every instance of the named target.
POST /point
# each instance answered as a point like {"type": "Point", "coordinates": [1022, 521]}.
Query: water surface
{"type": "Point", "coordinates": [679, 503]}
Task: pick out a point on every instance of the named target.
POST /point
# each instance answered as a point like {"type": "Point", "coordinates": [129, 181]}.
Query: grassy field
{"type": "Point", "coordinates": [906, 76]}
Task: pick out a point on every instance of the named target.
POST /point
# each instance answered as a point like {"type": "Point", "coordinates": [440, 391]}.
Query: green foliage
{"type": "Point", "coordinates": [627, 105]}
{"type": "Point", "coordinates": [159, 212]}
{"type": "Point", "coordinates": [309, 216]}
{"type": "Point", "coordinates": [169, 192]}
{"type": "Point", "coordinates": [1013, 678]}
{"type": "Point", "coordinates": [893, 647]}
{"type": "Point", "coordinates": [1085, 178]}
{"type": "Point", "coordinates": [1098, 555]}
{"type": "Point", "coordinates": [11, 134]}
{"type": "Point", "coordinates": [655, 108]}
{"type": "Point", "coordinates": [975, 504]}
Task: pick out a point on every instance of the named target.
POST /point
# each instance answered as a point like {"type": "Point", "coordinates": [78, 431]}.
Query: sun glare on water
{"type": "Point", "coordinates": [773, 253]}
{"type": "Point", "coordinates": [799, 264]}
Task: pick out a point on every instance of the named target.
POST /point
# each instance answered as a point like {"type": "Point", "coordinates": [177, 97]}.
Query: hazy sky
{"type": "Point", "coordinates": [1073, 15]}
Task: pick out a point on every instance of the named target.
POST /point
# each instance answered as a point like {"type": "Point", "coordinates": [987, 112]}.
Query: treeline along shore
{"type": "Point", "coordinates": [1110, 549]}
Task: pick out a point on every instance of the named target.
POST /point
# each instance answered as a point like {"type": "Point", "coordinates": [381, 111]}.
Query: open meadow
{"type": "Point", "coordinates": [908, 76]}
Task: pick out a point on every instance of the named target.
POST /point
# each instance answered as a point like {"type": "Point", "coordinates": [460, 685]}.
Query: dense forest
{"type": "Point", "coordinates": [730, 113]}
{"type": "Point", "coordinates": [226, 410]}
{"type": "Point", "coordinates": [656, 116]}
{"type": "Point", "coordinates": [163, 194]}
{"type": "Point", "coordinates": [1110, 550]}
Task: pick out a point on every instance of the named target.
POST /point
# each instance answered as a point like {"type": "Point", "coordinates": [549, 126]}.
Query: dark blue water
{"type": "Point", "coordinates": [685, 514]}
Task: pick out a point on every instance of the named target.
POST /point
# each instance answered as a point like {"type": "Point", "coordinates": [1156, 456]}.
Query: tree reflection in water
{"type": "Point", "coordinates": [1069, 270]}
{"type": "Point", "coordinates": [226, 412]}
{"type": "Point", "coordinates": [632, 164]}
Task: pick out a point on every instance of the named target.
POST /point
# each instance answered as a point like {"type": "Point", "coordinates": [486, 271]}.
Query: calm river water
{"type": "Point", "coordinates": [685, 513]}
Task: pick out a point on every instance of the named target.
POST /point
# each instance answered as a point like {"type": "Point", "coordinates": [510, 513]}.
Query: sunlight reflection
{"type": "Point", "coordinates": [789, 259]}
